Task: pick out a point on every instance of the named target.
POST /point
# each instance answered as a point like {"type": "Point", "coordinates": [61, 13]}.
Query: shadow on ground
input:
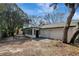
{"type": "Point", "coordinates": [18, 40]}
{"type": "Point", "coordinates": [41, 38]}
{"type": "Point", "coordinates": [21, 40]}
{"type": "Point", "coordinates": [13, 40]}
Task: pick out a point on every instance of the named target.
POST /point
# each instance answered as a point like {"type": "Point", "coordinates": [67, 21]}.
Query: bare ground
{"type": "Point", "coordinates": [44, 47]}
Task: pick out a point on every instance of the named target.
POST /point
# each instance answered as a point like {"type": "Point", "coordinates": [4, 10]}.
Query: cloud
{"type": "Point", "coordinates": [33, 12]}
{"type": "Point", "coordinates": [40, 9]}
{"type": "Point", "coordinates": [28, 11]}
{"type": "Point", "coordinates": [44, 7]}
{"type": "Point", "coordinates": [76, 16]}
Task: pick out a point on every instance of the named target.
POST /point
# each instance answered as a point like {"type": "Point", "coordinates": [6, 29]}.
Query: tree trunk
{"type": "Point", "coordinates": [74, 37]}
{"type": "Point", "coordinates": [67, 25]}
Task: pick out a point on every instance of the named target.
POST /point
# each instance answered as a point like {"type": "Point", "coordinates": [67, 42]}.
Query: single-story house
{"type": "Point", "coordinates": [51, 31]}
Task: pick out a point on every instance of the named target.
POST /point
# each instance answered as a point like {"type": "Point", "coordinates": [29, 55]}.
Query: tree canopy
{"type": "Point", "coordinates": [11, 17]}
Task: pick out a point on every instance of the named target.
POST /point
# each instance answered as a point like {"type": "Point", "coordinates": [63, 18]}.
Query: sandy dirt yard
{"type": "Point", "coordinates": [43, 47]}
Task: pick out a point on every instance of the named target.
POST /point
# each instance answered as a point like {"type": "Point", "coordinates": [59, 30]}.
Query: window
{"type": "Point", "coordinates": [28, 31]}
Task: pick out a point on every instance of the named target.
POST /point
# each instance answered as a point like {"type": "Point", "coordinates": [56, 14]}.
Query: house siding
{"type": "Point", "coordinates": [56, 33]}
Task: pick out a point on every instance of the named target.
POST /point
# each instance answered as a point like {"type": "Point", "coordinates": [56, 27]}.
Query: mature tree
{"type": "Point", "coordinates": [11, 17]}
{"type": "Point", "coordinates": [47, 18]}
{"type": "Point", "coordinates": [54, 17]}
{"type": "Point", "coordinates": [72, 8]}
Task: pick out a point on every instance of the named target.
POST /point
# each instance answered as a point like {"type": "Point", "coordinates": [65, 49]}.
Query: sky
{"type": "Point", "coordinates": [38, 9]}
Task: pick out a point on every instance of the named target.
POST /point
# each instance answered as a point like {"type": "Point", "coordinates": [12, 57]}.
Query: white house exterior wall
{"type": "Point", "coordinates": [56, 33]}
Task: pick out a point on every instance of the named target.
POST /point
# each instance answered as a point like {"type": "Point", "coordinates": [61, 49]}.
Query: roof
{"type": "Point", "coordinates": [58, 25]}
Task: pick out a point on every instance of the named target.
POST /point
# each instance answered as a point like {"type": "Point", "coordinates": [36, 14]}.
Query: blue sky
{"type": "Point", "coordinates": [43, 8]}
